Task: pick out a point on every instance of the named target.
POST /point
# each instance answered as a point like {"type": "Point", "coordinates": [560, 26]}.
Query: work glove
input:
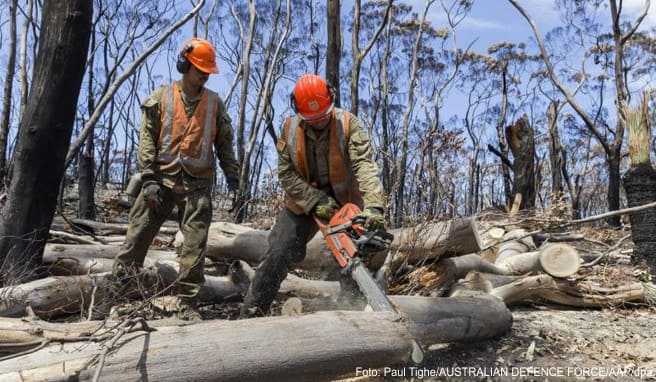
{"type": "Point", "coordinates": [233, 184]}
{"type": "Point", "coordinates": [151, 195]}
{"type": "Point", "coordinates": [373, 219]}
{"type": "Point", "coordinates": [326, 208]}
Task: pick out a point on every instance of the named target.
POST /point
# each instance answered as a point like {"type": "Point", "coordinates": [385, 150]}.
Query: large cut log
{"type": "Point", "coordinates": [558, 260]}
{"type": "Point", "coordinates": [315, 347]}
{"type": "Point", "coordinates": [434, 239]}
{"type": "Point", "coordinates": [59, 295]}
{"type": "Point", "coordinates": [429, 240]}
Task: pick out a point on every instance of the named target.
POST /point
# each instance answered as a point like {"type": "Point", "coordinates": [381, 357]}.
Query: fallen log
{"type": "Point", "coordinates": [68, 260]}
{"type": "Point", "coordinates": [20, 334]}
{"type": "Point", "coordinates": [514, 243]}
{"type": "Point", "coordinates": [434, 239]}
{"type": "Point", "coordinates": [298, 286]}
{"type": "Point", "coordinates": [69, 237]}
{"type": "Point", "coordinates": [584, 295]}
{"type": "Point", "coordinates": [429, 240]}
{"type": "Point", "coordinates": [320, 346]}
{"type": "Point", "coordinates": [100, 228]}
{"type": "Point", "coordinates": [61, 295]}
{"type": "Point", "coordinates": [558, 260]}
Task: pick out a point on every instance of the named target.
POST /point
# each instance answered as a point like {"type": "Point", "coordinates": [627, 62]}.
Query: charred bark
{"type": "Point", "coordinates": [7, 95]}
{"type": "Point", "coordinates": [555, 151]}
{"type": "Point", "coordinates": [640, 184]}
{"type": "Point", "coordinates": [333, 46]}
{"type": "Point", "coordinates": [522, 144]}
{"type": "Point", "coordinates": [45, 134]}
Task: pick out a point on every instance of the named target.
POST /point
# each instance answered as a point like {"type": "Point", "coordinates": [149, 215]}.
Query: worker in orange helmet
{"type": "Point", "coordinates": [324, 161]}
{"type": "Point", "coordinates": [184, 125]}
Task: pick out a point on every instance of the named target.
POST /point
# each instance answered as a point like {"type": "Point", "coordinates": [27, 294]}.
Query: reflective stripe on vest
{"type": "Point", "coordinates": [339, 166]}
{"type": "Point", "coordinates": [187, 142]}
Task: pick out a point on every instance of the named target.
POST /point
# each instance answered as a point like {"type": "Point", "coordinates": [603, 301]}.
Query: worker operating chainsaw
{"type": "Point", "coordinates": [324, 161]}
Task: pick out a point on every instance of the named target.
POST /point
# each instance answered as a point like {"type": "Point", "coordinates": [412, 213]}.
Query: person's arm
{"type": "Point", "coordinates": [223, 146]}
{"type": "Point", "coordinates": [296, 188]}
{"type": "Point", "coordinates": [365, 168]}
{"type": "Point", "coordinates": [149, 136]}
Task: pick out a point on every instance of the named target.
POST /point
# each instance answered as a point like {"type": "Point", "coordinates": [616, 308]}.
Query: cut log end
{"type": "Point", "coordinates": [560, 260]}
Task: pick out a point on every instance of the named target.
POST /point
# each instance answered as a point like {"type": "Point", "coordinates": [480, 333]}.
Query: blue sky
{"type": "Point", "coordinates": [497, 20]}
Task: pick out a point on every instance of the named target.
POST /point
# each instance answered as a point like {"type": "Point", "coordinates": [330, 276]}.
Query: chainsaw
{"type": "Point", "coordinates": [350, 243]}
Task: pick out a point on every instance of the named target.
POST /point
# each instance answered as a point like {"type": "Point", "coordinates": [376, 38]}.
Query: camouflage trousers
{"type": "Point", "coordinates": [287, 246]}
{"type": "Point", "coordinates": [194, 218]}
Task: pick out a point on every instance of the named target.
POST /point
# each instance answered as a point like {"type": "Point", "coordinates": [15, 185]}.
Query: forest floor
{"type": "Point", "coordinates": [546, 342]}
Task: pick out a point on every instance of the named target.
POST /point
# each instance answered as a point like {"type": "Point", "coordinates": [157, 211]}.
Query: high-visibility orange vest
{"type": "Point", "coordinates": [187, 142]}
{"type": "Point", "coordinates": [340, 171]}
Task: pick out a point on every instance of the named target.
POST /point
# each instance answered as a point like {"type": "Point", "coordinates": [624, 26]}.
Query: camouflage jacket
{"type": "Point", "coordinates": [149, 137]}
{"type": "Point", "coordinates": [360, 154]}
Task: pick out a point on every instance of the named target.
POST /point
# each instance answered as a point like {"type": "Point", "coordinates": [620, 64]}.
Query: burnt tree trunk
{"type": "Point", "coordinates": [86, 185]}
{"type": "Point", "coordinates": [503, 145]}
{"type": "Point", "coordinates": [9, 82]}
{"type": "Point", "coordinates": [555, 151]}
{"type": "Point", "coordinates": [614, 179]}
{"type": "Point", "coordinates": [45, 134]}
{"type": "Point", "coordinates": [522, 144]}
{"type": "Point", "coordinates": [640, 185]}
{"type": "Point", "coordinates": [333, 46]}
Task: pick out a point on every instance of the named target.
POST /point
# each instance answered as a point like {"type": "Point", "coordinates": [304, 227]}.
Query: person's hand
{"type": "Point", "coordinates": [151, 195]}
{"type": "Point", "coordinates": [326, 208]}
{"type": "Point", "coordinates": [373, 219]}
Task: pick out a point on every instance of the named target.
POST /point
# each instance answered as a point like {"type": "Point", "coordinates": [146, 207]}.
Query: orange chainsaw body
{"type": "Point", "coordinates": [337, 236]}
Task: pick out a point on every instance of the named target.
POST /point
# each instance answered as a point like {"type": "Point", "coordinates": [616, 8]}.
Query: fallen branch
{"type": "Point", "coordinates": [582, 295]}
{"type": "Point", "coordinates": [109, 93]}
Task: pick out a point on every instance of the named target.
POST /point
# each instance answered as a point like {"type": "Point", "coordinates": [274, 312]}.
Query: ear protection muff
{"type": "Point", "coordinates": [183, 65]}
{"type": "Point", "coordinates": [292, 102]}
{"type": "Point", "coordinates": [292, 99]}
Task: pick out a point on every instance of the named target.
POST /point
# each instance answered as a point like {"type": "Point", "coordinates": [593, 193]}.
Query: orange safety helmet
{"type": "Point", "coordinates": [199, 53]}
{"type": "Point", "coordinates": [312, 97]}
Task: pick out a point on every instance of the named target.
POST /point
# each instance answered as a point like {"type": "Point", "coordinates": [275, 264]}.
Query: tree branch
{"type": "Point", "coordinates": [629, 34]}
{"type": "Point", "coordinates": [552, 75]}
{"type": "Point", "coordinates": [362, 54]}
{"type": "Point", "coordinates": [113, 88]}
{"type": "Point", "coordinates": [498, 153]}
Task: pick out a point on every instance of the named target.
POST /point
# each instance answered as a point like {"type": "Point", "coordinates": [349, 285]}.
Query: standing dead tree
{"type": "Point", "coordinates": [359, 55]}
{"type": "Point", "coordinates": [263, 102]}
{"type": "Point", "coordinates": [45, 133]}
{"type": "Point", "coordinates": [22, 66]}
{"type": "Point", "coordinates": [521, 140]}
{"type": "Point", "coordinates": [242, 193]}
{"type": "Point", "coordinates": [334, 46]}
{"type": "Point", "coordinates": [612, 146]}
{"type": "Point", "coordinates": [7, 93]}
{"type": "Point", "coordinates": [640, 182]}
{"type": "Point", "coordinates": [401, 163]}
{"type": "Point", "coordinates": [116, 84]}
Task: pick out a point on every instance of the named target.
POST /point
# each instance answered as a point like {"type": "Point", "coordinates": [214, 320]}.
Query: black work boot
{"type": "Point", "coordinates": [250, 308]}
